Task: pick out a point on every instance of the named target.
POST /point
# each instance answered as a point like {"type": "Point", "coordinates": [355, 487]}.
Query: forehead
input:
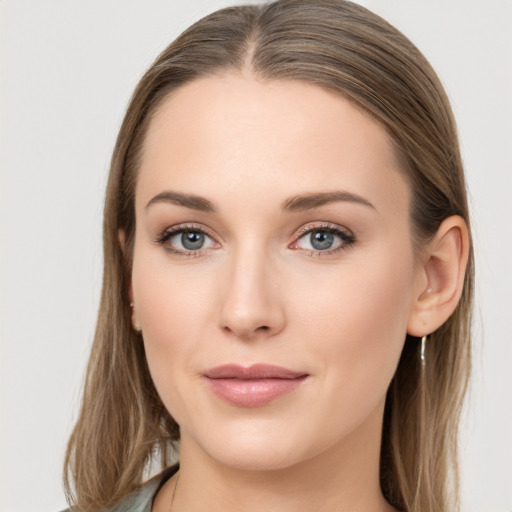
{"type": "Point", "coordinates": [237, 133]}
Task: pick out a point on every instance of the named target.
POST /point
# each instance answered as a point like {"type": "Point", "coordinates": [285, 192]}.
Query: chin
{"type": "Point", "coordinates": [255, 459]}
{"type": "Point", "coordinates": [252, 450]}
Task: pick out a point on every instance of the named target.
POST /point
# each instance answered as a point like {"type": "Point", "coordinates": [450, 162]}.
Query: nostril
{"type": "Point", "coordinates": [247, 333]}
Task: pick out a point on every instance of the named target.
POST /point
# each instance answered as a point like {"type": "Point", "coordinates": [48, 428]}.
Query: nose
{"type": "Point", "coordinates": [251, 306]}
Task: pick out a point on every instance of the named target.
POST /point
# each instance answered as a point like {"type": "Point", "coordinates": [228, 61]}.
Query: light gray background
{"type": "Point", "coordinates": [68, 68]}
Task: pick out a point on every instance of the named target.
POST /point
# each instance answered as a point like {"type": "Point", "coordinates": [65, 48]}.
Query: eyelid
{"type": "Point", "coordinates": [188, 226]}
{"type": "Point", "coordinates": [311, 226]}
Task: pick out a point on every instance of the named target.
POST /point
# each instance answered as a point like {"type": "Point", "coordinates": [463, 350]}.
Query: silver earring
{"type": "Point", "coordinates": [422, 350]}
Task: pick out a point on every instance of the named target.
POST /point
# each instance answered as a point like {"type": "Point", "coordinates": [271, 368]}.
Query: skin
{"type": "Point", "coordinates": [259, 292]}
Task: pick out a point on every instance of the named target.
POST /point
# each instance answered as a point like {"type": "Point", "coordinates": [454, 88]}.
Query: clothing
{"type": "Point", "coordinates": [142, 499]}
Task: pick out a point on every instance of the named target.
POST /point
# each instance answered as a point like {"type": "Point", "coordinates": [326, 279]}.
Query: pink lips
{"type": "Point", "coordinates": [256, 385]}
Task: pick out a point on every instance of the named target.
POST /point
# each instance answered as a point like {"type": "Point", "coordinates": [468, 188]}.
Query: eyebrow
{"type": "Point", "coordinates": [187, 200]}
{"type": "Point", "coordinates": [296, 203]}
{"type": "Point", "coordinates": [314, 200]}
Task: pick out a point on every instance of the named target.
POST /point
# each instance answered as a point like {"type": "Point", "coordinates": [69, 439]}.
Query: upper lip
{"type": "Point", "coordinates": [255, 371]}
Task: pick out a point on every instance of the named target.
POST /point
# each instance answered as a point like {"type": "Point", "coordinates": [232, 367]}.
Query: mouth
{"type": "Point", "coordinates": [252, 386]}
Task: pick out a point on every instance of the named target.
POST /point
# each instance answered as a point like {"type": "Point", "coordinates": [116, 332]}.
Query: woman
{"type": "Point", "coordinates": [288, 276]}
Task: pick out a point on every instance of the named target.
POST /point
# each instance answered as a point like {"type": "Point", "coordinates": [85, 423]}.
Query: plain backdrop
{"type": "Point", "coordinates": [68, 68]}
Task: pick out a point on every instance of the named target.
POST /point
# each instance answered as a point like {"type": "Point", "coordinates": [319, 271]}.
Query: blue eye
{"type": "Point", "coordinates": [191, 240]}
{"type": "Point", "coordinates": [185, 241]}
{"type": "Point", "coordinates": [321, 240]}
{"type": "Point", "coordinates": [326, 239]}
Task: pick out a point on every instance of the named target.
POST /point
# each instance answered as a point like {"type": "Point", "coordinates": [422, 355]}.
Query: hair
{"type": "Point", "coordinates": [123, 427]}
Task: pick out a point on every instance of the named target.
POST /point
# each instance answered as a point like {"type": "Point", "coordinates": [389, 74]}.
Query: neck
{"type": "Point", "coordinates": [344, 477]}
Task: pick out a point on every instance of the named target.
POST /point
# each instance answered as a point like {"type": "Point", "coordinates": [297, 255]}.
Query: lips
{"type": "Point", "coordinates": [252, 386]}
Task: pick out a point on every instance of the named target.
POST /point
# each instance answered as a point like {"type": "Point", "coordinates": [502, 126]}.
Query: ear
{"type": "Point", "coordinates": [440, 277]}
{"type": "Point", "coordinates": [121, 236]}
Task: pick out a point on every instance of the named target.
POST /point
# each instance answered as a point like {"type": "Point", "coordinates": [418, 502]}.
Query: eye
{"type": "Point", "coordinates": [189, 240]}
{"type": "Point", "coordinates": [325, 239]}
{"type": "Point", "coordinates": [185, 240]}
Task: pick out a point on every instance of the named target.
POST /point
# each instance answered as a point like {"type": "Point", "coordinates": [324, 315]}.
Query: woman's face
{"type": "Point", "coordinates": [272, 228]}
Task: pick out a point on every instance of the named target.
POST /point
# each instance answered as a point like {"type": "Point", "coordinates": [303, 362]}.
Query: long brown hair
{"type": "Point", "coordinates": [123, 427]}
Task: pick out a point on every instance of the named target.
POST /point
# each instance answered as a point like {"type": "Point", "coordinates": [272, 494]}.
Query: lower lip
{"type": "Point", "coordinates": [253, 393]}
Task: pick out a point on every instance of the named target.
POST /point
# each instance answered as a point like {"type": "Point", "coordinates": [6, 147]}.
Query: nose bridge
{"type": "Point", "coordinates": [250, 304]}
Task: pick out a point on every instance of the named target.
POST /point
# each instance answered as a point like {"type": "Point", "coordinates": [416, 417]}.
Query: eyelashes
{"type": "Point", "coordinates": [313, 239]}
{"type": "Point", "coordinates": [192, 239]}
{"type": "Point", "coordinates": [324, 239]}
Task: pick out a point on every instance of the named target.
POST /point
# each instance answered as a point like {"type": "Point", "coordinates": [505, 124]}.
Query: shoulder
{"type": "Point", "coordinates": [141, 500]}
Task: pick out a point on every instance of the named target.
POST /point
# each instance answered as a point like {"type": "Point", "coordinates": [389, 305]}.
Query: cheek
{"type": "Point", "coordinates": [357, 322]}
{"type": "Point", "coordinates": [172, 299]}
{"type": "Point", "coordinates": [170, 309]}
{"type": "Point", "coordinates": [173, 306]}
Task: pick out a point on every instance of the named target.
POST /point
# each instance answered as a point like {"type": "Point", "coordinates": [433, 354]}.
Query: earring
{"type": "Point", "coordinates": [426, 293]}
{"type": "Point", "coordinates": [137, 328]}
{"type": "Point", "coordinates": [422, 350]}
